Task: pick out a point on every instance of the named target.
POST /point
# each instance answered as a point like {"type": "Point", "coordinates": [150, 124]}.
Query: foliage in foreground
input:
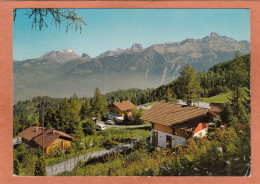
{"type": "Point", "coordinates": [16, 166]}
{"type": "Point", "coordinates": [40, 167]}
{"type": "Point", "coordinates": [26, 160]}
{"type": "Point", "coordinates": [225, 152]}
{"type": "Point", "coordinates": [40, 17]}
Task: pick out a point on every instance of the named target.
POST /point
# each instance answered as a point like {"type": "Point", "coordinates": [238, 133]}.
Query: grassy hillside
{"type": "Point", "coordinates": [222, 98]}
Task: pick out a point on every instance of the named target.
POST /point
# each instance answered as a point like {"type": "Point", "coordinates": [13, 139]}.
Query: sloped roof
{"type": "Point", "coordinates": [62, 134]}
{"type": "Point", "coordinates": [216, 107]}
{"type": "Point", "coordinates": [31, 132]}
{"type": "Point", "coordinates": [170, 114]}
{"type": "Point", "coordinates": [50, 136]}
{"type": "Point", "coordinates": [124, 105]}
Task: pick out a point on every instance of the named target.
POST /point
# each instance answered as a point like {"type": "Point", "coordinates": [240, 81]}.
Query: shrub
{"type": "Point", "coordinates": [16, 167]}
{"type": "Point", "coordinates": [108, 143]}
{"type": "Point", "coordinates": [80, 164]}
{"type": "Point", "coordinates": [96, 141]}
{"type": "Point", "coordinates": [40, 167]}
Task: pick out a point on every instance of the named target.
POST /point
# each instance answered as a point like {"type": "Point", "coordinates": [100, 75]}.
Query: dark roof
{"type": "Point", "coordinates": [30, 132]}
{"type": "Point", "coordinates": [62, 134]}
{"type": "Point", "coordinates": [50, 135]}
{"type": "Point", "coordinates": [170, 114]}
{"type": "Point", "coordinates": [216, 107]}
{"type": "Point", "coordinates": [124, 105]}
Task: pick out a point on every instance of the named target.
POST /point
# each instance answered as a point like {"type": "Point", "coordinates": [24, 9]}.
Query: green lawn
{"type": "Point", "coordinates": [117, 135]}
{"type": "Point", "coordinates": [103, 140]}
{"type": "Point", "coordinates": [147, 104]}
{"type": "Point", "coordinates": [222, 98]}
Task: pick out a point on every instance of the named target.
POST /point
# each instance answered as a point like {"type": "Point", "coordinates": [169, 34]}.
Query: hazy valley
{"type": "Point", "coordinates": [61, 73]}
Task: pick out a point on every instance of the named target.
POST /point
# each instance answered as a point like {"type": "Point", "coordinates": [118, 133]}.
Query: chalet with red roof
{"type": "Point", "coordinates": [173, 124]}
{"type": "Point", "coordinates": [53, 139]}
{"type": "Point", "coordinates": [118, 110]}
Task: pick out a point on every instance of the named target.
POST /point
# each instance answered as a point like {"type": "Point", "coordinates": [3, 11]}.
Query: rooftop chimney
{"type": "Point", "coordinates": [190, 102]}
{"type": "Point", "coordinates": [36, 129]}
{"type": "Point", "coordinates": [53, 131]}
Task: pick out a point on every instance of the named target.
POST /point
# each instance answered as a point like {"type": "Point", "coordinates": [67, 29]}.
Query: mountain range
{"type": "Point", "coordinates": [60, 73]}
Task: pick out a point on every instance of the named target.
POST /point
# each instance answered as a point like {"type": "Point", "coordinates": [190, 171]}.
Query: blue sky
{"type": "Point", "coordinates": [109, 29]}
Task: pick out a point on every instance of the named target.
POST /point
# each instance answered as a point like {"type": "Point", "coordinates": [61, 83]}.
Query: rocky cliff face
{"type": "Point", "coordinates": [60, 56]}
{"type": "Point", "coordinates": [154, 65]}
{"type": "Point", "coordinates": [200, 53]}
{"type": "Point", "coordinates": [135, 48]}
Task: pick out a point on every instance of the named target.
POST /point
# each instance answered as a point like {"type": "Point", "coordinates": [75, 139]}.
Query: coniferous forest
{"type": "Point", "coordinates": [226, 151]}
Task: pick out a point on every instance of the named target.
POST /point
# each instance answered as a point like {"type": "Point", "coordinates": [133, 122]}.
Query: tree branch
{"type": "Point", "coordinates": [58, 16]}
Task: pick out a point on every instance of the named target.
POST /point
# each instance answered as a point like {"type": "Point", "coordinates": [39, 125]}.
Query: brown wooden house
{"type": "Point", "coordinates": [30, 133]}
{"type": "Point", "coordinates": [216, 107]}
{"type": "Point", "coordinates": [53, 139]}
{"type": "Point", "coordinates": [119, 109]}
{"type": "Point", "coordinates": [173, 124]}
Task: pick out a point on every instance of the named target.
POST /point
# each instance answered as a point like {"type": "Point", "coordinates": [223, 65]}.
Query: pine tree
{"type": "Point", "coordinates": [78, 132]}
{"type": "Point", "coordinates": [238, 76]}
{"type": "Point", "coordinates": [169, 97]}
{"type": "Point", "coordinates": [85, 111]}
{"type": "Point", "coordinates": [63, 115]}
{"type": "Point", "coordinates": [99, 104]}
{"type": "Point", "coordinates": [88, 126]}
{"type": "Point", "coordinates": [50, 119]}
{"type": "Point", "coordinates": [40, 167]}
{"type": "Point", "coordinates": [16, 126]}
{"type": "Point", "coordinates": [74, 118]}
{"type": "Point", "coordinates": [190, 83]}
{"type": "Point", "coordinates": [68, 115]}
{"type": "Point", "coordinates": [16, 167]}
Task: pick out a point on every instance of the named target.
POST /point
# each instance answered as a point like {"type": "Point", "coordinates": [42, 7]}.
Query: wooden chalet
{"type": "Point", "coordinates": [30, 133]}
{"type": "Point", "coordinates": [216, 108]}
{"type": "Point", "coordinates": [173, 124]}
{"type": "Point", "coordinates": [53, 139]}
{"type": "Point", "coordinates": [119, 109]}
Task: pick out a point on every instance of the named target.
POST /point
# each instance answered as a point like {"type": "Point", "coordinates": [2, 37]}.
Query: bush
{"type": "Point", "coordinates": [58, 152]}
{"type": "Point", "coordinates": [137, 113]}
{"type": "Point", "coordinates": [16, 167]}
{"type": "Point", "coordinates": [108, 143]}
{"type": "Point", "coordinates": [87, 143]}
{"type": "Point", "coordinates": [80, 164]}
{"type": "Point", "coordinates": [96, 141]}
{"type": "Point", "coordinates": [40, 167]}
